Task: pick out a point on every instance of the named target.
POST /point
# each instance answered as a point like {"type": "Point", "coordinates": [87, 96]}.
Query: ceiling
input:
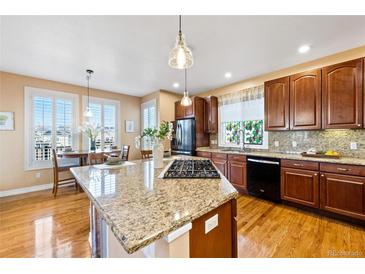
{"type": "Point", "coordinates": [129, 53]}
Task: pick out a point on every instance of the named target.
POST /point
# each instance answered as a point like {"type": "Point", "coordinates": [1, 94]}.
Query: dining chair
{"type": "Point", "coordinates": [146, 154]}
{"type": "Point", "coordinates": [97, 158]}
{"type": "Point", "coordinates": [57, 169]}
{"type": "Point", "coordinates": [125, 152]}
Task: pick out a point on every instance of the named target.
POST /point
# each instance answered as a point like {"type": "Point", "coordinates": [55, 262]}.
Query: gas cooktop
{"type": "Point", "coordinates": [191, 169]}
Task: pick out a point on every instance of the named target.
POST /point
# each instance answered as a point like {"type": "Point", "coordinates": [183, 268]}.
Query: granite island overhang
{"type": "Point", "coordinates": [134, 212]}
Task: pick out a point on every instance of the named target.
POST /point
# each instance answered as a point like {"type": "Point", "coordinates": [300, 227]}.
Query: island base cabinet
{"type": "Point", "coordinates": [343, 194]}
{"type": "Point", "coordinates": [220, 241]}
{"type": "Point", "coordinates": [300, 186]}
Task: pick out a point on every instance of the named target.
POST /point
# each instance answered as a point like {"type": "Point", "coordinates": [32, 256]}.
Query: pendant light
{"type": "Point", "coordinates": [87, 112]}
{"type": "Point", "coordinates": [186, 101]}
{"type": "Point", "coordinates": [181, 56]}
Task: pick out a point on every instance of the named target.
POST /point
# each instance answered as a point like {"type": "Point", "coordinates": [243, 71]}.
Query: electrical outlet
{"type": "Point", "coordinates": [211, 223]}
{"type": "Point", "coordinates": [353, 145]}
{"type": "Point", "coordinates": [38, 175]}
{"type": "Point", "coordinates": [276, 143]}
{"type": "Point", "coordinates": [294, 143]}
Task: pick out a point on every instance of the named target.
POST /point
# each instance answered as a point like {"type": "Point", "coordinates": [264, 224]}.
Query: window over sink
{"type": "Point", "coordinates": [242, 123]}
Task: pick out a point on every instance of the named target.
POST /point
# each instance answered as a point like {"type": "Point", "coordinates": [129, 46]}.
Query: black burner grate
{"type": "Point", "coordinates": [191, 169]}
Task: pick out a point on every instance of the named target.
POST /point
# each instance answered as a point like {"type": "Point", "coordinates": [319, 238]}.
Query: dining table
{"type": "Point", "coordinates": [83, 155]}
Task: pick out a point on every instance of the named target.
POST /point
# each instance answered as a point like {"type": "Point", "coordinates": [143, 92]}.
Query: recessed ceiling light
{"type": "Point", "coordinates": [304, 49]}
{"type": "Point", "coordinates": [175, 85]}
{"type": "Point", "coordinates": [228, 75]}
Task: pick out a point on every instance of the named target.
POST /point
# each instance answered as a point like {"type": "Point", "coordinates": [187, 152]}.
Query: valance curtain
{"type": "Point", "coordinates": [244, 95]}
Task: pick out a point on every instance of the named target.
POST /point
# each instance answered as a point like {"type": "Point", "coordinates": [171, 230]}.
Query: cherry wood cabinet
{"type": "Point", "coordinates": [182, 112]}
{"type": "Point", "coordinates": [300, 186]}
{"type": "Point", "coordinates": [204, 154]}
{"type": "Point", "coordinates": [179, 111]}
{"type": "Point", "coordinates": [195, 110]}
{"type": "Point", "coordinates": [220, 242]}
{"type": "Point", "coordinates": [237, 172]}
{"type": "Point", "coordinates": [343, 194]}
{"type": "Point", "coordinates": [342, 93]}
{"type": "Point", "coordinates": [220, 160]}
{"type": "Point", "coordinates": [277, 104]}
{"type": "Point", "coordinates": [305, 100]}
{"type": "Point", "coordinates": [211, 115]}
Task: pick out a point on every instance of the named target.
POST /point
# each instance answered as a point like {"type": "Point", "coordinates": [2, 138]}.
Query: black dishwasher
{"type": "Point", "coordinates": [263, 177]}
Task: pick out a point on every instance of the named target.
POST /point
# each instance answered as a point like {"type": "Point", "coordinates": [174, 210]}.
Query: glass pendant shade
{"type": "Point", "coordinates": [186, 100]}
{"type": "Point", "coordinates": [181, 56]}
{"type": "Point", "coordinates": [88, 113]}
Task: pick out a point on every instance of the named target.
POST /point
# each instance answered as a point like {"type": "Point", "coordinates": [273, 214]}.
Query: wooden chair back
{"type": "Point", "coordinates": [125, 152]}
{"type": "Point", "coordinates": [146, 154]}
{"type": "Point", "coordinates": [97, 158]}
{"type": "Point", "coordinates": [56, 170]}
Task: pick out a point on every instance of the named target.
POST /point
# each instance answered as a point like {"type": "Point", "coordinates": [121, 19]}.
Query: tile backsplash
{"type": "Point", "coordinates": [338, 140]}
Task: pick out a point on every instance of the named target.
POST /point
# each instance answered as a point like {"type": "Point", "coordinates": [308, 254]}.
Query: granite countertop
{"type": "Point", "coordinates": [341, 160]}
{"type": "Point", "coordinates": [141, 208]}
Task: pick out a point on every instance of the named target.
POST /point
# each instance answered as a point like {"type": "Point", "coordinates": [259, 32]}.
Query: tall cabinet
{"type": "Point", "coordinates": [305, 100]}
{"type": "Point", "coordinates": [277, 104]}
{"type": "Point", "coordinates": [342, 95]}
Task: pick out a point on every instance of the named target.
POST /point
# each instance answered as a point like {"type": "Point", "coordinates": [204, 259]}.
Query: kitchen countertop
{"type": "Point", "coordinates": [141, 208]}
{"type": "Point", "coordinates": [341, 160]}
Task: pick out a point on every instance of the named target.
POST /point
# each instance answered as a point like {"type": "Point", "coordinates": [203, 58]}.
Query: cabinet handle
{"type": "Point", "coordinates": [298, 164]}
{"type": "Point", "coordinates": [322, 175]}
{"type": "Point", "coordinates": [315, 174]}
{"type": "Point", "coordinates": [343, 169]}
{"type": "Point", "coordinates": [359, 125]}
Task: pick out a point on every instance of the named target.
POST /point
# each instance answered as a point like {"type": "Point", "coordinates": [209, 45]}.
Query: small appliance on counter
{"type": "Point", "coordinates": [183, 137]}
{"type": "Point", "coordinates": [198, 169]}
{"type": "Point", "coordinates": [263, 177]}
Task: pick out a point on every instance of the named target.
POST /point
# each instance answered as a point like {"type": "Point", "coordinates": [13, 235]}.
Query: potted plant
{"type": "Point", "coordinates": [156, 136]}
{"type": "Point", "coordinates": [91, 131]}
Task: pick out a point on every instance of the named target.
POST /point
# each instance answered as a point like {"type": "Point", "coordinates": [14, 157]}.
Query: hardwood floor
{"type": "Point", "coordinates": [266, 229]}
{"type": "Point", "coordinates": [38, 225]}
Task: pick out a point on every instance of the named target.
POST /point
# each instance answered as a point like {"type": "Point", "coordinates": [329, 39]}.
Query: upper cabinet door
{"type": "Point", "coordinates": [342, 95]}
{"type": "Point", "coordinates": [277, 104]}
{"type": "Point", "coordinates": [305, 100]}
{"type": "Point", "coordinates": [179, 111]}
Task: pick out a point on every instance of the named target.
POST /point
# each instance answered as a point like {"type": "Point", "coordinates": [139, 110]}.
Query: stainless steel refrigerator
{"type": "Point", "coordinates": [183, 138]}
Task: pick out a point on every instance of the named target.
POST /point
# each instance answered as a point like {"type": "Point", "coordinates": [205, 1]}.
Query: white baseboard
{"type": "Point", "coordinates": [23, 190]}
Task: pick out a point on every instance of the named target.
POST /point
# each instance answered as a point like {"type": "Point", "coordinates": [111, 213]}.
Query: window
{"type": "Point", "coordinates": [105, 114]}
{"type": "Point", "coordinates": [242, 122]}
{"type": "Point", "coordinates": [149, 120]}
{"type": "Point", "coordinates": [50, 122]}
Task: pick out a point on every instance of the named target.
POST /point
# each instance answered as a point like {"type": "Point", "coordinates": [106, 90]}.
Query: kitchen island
{"type": "Point", "coordinates": [134, 212]}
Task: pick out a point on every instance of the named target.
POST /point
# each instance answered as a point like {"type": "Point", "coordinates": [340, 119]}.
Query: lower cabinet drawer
{"type": "Point", "coordinates": [343, 194]}
{"type": "Point", "coordinates": [236, 158]}
{"type": "Point", "coordinates": [300, 164]}
{"type": "Point", "coordinates": [222, 156]}
{"type": "Point", "coordinates": [343, 169]}
{"type": "Point", "coordinates": [204, 154]}
{"type": "Point", "coordinates": [300, 186]}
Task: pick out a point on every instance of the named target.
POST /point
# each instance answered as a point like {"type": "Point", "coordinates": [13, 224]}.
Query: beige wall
{"type": "Point", "coordinates": [165, 104]}
{"type": "Point", "coordinates": [12, 174]}
{"type": "Point", "coordinates": [325, 61]}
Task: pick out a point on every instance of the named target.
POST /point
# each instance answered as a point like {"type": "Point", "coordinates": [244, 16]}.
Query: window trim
{"type": "Point", "coordinates": [29, 94]}
{"type": "Point", "coordinates": [103, 101]}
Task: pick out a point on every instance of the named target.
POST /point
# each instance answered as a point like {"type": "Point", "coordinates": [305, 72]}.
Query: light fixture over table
{"type": "Point", "coordinates": [185, 101]}
{"type": "Point", "coordinates": [181, 56]}
{"type": "Point", "coordinates": [87, 112]}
